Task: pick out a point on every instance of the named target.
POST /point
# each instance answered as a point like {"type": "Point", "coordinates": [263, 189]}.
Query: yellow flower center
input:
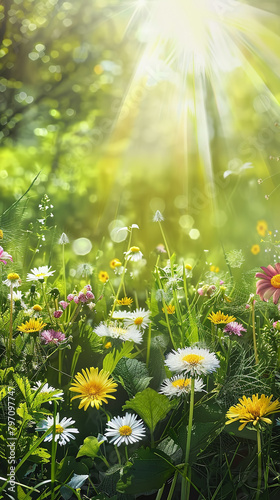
{"type": "Point", "coordinates": [138, 321]}
{"type": "Point", "coordinates": [13, 276]}
{"type": "Point", "coordinates": [181, 383]}
{"type": "Point", "coordinates": [118, 330]}
{"type": "Point", "coordinates": [40, 275]}
{"type": "Point", "coordinates": [59, 429]}
{"type": "Point", "coordinates": [188, 267]}
{"type": "Point", "coordinates": [36, 307]}
{"type": "Point", "coordinates": [193, 359]}
{"type": "Point", "coordinates": [134, 249]}
{"type": "Point", "coordinates": [275, 281]}
{"type": "Point", "coordinates": [125, 430]}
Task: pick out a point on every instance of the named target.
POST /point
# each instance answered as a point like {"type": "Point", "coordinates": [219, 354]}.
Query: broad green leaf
{"type": "Point", "coordinates": [41, 455]}
{"type": "Point", "coordinates": [90, 448]}
{"type": "Point", "coordinates": [5, 372]}
{"type": "Point", "coordinates": [24, 386]}
{"type": "Point", "coordinates": [149, 471]}
{"type": "Point", "coordinates": [111, 360]}
{"type": "Point", "coordinates": [150, 406]}
{"type": "Point", "coordinates": [133, 375]}
{"type": "Point", "coordinates": [208, 422]}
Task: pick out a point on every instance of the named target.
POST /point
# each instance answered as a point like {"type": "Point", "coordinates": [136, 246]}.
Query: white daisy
{"type": "Point", "coordinates": [193, 360]}
{"type": "Point", "coordinates": [63, 433]}
{"type": "Point", "coordinates": [134, 254]}
{"type": "Point", "coordinates": [46, 389]}
{"type": "Point", "coordinates": [139, 318]}
{"type": "Point", "coordinates": [179, 385]}
{"type": "Point", "coordinates": [13, 280]}
{"type": "Point", "coordinates": [39, 273]}
{"type": "Point", "coordinates": [114, 331]}
{"type": "Point", "coordinates": [17, 297]}
{"type": "Point", "coordinates": [125, 429]}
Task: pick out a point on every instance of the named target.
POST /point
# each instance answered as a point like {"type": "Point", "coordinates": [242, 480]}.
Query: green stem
{"type": "Point", "coordinates": [160, 492]}
{"type": "Point", "coordinates": [64, 274]}
{"type": "Point", "coordinates": [53, 457]}
{"type": "Point", "coordinates": [122, 276]}
{"type": "Point", "coordinates": [165, 241]}
{"type": "Point", "coordinates": [59, 366]}
{"type": "Point", "coordinates": [46, 304]}
{"type": "Point", "coordinates": [184, 493]}
{"type": "Point", "coordinates": [11, 326]}
{"type": "Point", "coordinates": [259, 462]}
{"type": "Point", "coordinates": [118, 455]}
{"type": "Point", "coordinates": [126, 454]}
{"type": "Point", "coordinates": [254, 333]}
{"type": "Point", "coordinates": [171, 491]}
{"type": "Point", "coordinates": [149, 344]}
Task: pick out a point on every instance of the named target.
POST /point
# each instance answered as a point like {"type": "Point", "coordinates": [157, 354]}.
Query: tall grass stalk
{"type": "Point", "coordinates": [259, 462]}
{"type": "Point", "coordinates": [53, 452]}
{"type": "Point", "coordinates": [185, 492]}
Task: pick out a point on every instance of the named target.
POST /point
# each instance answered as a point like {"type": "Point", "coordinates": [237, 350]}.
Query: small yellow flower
{"type": "Point", "coordinates": [253, 410]}
{"type": "Point", "coordinates": [169, 309]}
{"type": "Point", "coordinates": [103, 276]}
{"type": "Point", "coordinates": [214, 269]}
{"type": "Point", "coordinates": [219, 318]}
{"type": "Point", "coordinates": [108, 345]}
{"type": "Point", "coordinates": [115, 263]}
{"type": "Point", "coordinates": [93, 388]}
{"type": "Point", "coordinates": [33, 325]}
{"type": "Point", "coordinates": [37, 308]}
{"type": "Point", "coordinates": [255, 249]}
{"type": "Point", "coordinates": [188, 267]}
{"type": "Point", "coordinates": [262, 227]}
{"type": "Point", "coordinates": [125, 301]}
{"type": "Point", "coordinates": [1, 234]}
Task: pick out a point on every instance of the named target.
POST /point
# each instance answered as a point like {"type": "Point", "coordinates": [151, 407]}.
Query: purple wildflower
{"type": "Point", "coordinates": [52, 337]}
{"type": "Point", "coordinates": [235, 328]}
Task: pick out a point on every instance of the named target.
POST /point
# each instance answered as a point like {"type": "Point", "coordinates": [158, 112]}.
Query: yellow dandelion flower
{"type": "Point", "coordinates": [93, 388]}
{"type": "Point", "coordinates": [115, 263]}
{"type": "Point", "coordinates": [219, 318]}
{"type": "Point", "coordinates": [255, 249]}
{"type": "Point", "coordinates": [103, 276]}
{"type": "Point", "coordinates": [37, 308]}
{"type": "Point", "coordinates": [125, 301]}
{"type": "Point", "coordinates": [214, 269]}
{"type": "Point", "coordinates": [33, 325]}
{"type": "Point", "coordinates": [1, 234]}
{"type": "Point", "coordinates": [169, 309]}
{"type": "Point", "coordinates": [108, 345]}
{"type": "Point", "coordinates": [262, 227]}
{"type": "Point", "coordinates": [253, 410]}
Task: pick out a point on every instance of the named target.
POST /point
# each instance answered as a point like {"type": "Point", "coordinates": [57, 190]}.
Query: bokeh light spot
{"type": "Point", "coordinates": [82, 246]}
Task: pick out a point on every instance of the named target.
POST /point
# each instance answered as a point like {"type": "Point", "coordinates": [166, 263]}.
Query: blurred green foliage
{"type": "Point", "coordinates": [110, 146]}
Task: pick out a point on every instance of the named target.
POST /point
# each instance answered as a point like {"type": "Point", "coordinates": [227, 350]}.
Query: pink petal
{"type": "Point", "coordinates": [269, 270]}
{"type": "Point", "coordinates": [264, 276]}
{"type": "Point", "coordinates": [276, 296]}
{"type": "Point", "coordinates": [277, 267]}
{"type": "Point", "coordinates": [269, 293]}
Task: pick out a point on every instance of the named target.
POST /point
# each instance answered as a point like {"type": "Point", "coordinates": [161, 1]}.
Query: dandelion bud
{"type": "Point", "coordinates": [63, 239]}
{"type": "Point", "coordinates": [54, 293]}
{"type": "Point", "coordinates": [158, 217]}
